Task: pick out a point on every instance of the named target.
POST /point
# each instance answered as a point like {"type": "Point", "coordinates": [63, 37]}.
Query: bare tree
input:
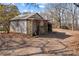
{"type": "Point", "coordinates": [63, 14]}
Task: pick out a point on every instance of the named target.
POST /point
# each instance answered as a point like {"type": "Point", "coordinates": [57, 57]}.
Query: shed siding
{"type": "Point", "coordinates": [34, 25]}
{"type": "Point", "coordinates": [18, 26]}
{"type": "Point", "coordinates": [42, 30]}
{"type": "Point", "coordinates": [43, 27]}
{"type": "Point", "coordinates": [29, 27]}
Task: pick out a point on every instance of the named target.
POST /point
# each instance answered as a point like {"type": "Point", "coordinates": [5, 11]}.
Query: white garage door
{"type": "Point", "coordinates": [18, 26]}
{"type": "Point", "coordinates": [22, 27]}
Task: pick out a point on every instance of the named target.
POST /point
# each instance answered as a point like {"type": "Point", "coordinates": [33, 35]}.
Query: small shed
{"type": "Point", "coordinates": [31, 24]}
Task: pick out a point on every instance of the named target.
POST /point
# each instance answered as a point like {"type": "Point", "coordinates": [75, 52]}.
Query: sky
{"type": "Point", "coordinates": [30, 7]}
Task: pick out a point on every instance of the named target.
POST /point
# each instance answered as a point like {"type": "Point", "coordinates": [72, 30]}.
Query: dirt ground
{"type": "Point", "coordinates": [60, 42]}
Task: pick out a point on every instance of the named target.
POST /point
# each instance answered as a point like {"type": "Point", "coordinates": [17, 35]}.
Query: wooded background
{"type": "Point", "coordinates": [61, 15]}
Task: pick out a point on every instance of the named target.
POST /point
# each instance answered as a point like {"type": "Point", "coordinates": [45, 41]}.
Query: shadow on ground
{"type": "Point", "coordinates": [58, 35]}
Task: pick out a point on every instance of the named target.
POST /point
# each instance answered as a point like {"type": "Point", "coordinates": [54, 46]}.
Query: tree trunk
{"type": "Point", "coordinates": [76, 24]}
{"type": "Point", "coordinates": [73, 23]}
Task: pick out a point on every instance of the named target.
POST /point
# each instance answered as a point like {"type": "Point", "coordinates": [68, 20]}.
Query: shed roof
{"type": "Point", "coordinates": [27, 16]}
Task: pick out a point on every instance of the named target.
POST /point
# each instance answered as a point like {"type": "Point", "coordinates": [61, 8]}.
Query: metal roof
{"type": "Point", "coordinates": [26, 16]}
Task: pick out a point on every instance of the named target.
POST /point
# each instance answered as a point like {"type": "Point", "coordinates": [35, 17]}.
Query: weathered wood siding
{"type": "Point", "coordinates": [46, 26]}
{"type": "Point", "coordinates": [18, 26]}
{"type": "Point", "coordinates": [43, 27]}
{"type": "Point", "coordinates": [42, 30]}
{"type": "Point", "coordinates": [29, 27]}
{"type": "Point", "coordinates": [34, 27]}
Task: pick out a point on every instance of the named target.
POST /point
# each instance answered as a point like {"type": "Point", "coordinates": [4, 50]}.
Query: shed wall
{"type": "Point", "coordinates": [18, 26]}
{"type": "Point", "coordinates": [29, 27]}
{"type": "Point", "coordinates": [43, 27]}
